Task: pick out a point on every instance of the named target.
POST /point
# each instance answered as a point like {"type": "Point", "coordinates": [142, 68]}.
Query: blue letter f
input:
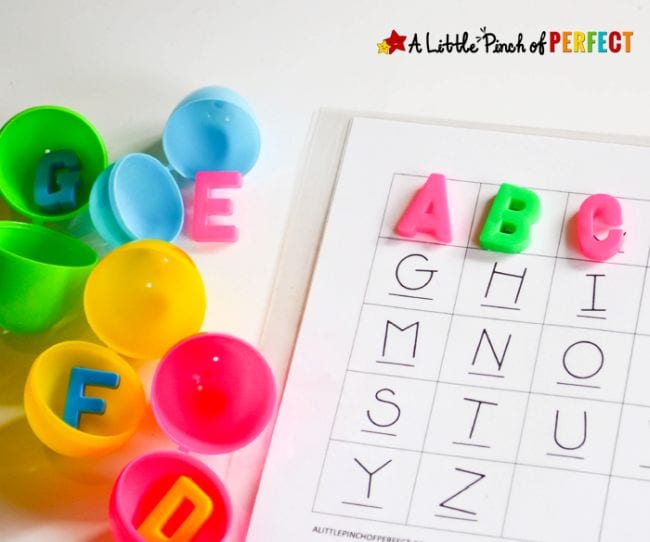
{"type": "Point", "coordinates": [76, 402]}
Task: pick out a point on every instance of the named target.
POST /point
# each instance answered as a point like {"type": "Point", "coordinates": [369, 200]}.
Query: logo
{"type": "Point", "coordinates": [392, 43]}
{"type": "Point", "coordinates": [486, 42]}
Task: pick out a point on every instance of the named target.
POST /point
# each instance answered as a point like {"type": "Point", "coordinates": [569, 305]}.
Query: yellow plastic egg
{"type": "Point", "coordinates": [45, 398]}
{"type": "Point", "coordinates": [144, 297]}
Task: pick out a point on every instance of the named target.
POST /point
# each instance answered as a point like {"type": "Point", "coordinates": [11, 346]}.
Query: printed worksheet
{"type": "Point", "coordinates": [442, 392]}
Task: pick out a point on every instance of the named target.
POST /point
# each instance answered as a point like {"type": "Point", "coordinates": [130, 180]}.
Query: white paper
{"type": "Point", "coordinates": [522, 410]}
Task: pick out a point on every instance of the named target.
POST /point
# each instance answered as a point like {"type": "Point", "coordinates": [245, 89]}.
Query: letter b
{"type": "Point", "coordinates": [508, 224]}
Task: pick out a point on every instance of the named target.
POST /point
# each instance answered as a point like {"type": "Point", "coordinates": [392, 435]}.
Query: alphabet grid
{"type": "Point", "coordinates": [538, 354]}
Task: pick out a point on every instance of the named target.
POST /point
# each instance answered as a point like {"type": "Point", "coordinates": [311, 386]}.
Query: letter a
{"type": "Point", "coordinates": [507, 227]}
{"type": "Point", "coordinates": [428, 211]}
{"type": "Point", "coordinates": [599, 210]}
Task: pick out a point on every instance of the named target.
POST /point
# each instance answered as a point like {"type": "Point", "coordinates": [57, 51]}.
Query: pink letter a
{"type": "Point", "coordinates": [428, 211]}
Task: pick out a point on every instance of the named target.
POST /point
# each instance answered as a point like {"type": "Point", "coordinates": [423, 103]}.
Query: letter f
{"type": "Point", "coordinates": [76, 400]}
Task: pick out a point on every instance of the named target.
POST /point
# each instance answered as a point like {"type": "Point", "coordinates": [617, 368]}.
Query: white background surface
{"type": "Point", "coordinates": [125, 66]}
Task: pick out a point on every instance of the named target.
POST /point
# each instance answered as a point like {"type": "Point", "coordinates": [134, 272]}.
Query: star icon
{"type": "Point", "coordinates": [395, 42]}
{"type": "Point", "coordinates": [383, 48]}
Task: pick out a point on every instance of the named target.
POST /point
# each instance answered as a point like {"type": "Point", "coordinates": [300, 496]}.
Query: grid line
{"type": "Point", "coordinates": [491, 460]}
{"type": "Point", "coordinates": [523, 253]}
{"type": "Point", "coordinates": [442, 360]}
{"type": "Point", "coordinates": [532, 378]}
{"type": "Point", "coordinates": [354, 338]}
{"type": "Point", "coordinates": [501, 319]}
{"type": "Point", "coordinates": [622, 403]}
